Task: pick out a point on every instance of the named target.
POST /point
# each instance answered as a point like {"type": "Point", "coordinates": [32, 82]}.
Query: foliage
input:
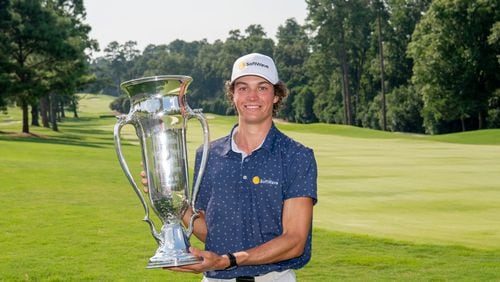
{"type": "Point", "coordinates": [291, 54]}
{"type": "Point", "coordinates": [455, 70]}
{"type": "Point", "coordinates": [120, 104]}
{"type": "Point", "coordinates": [405, 106]}
{"type": "Point", "coordinates": [400, 65]}
{"type": "Point", "coordinates": [42, 52]}
{"type": "Point", "coordinates": [342, 38]}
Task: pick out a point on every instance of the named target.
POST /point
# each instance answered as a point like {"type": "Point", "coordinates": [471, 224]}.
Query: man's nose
{"type": "Point", "coordinates": [253, 94]}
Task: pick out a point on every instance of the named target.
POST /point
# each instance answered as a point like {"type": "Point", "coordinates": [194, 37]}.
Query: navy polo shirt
{"type": "Point", "coordinates": [243, 198]}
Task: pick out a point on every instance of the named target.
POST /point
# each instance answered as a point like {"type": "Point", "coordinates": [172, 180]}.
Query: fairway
{"type": "Point", "coordinates": [409, 189]}
{"type": "Point", "coordinates": [391, 206]}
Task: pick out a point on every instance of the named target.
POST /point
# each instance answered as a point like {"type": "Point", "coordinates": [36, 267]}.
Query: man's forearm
{"type": "Point", "coordinates": [297, 218]}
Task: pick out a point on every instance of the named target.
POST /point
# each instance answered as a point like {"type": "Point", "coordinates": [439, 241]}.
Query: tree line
{"type": "Point", "coordinates": [43, 58]}
{"type": "Point", "coordinates": [401, 65]}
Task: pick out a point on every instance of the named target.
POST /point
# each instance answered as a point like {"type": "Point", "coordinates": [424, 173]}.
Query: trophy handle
{"type": "Point", "coordinates": [206, 143]}
{"type": "Point", "coordinates": [122, 121]}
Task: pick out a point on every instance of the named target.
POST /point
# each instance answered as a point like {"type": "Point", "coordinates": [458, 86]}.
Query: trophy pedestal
{"type": "Point", "coordinates": [173, 249]}
{"type": "Point", "coordinates": [168, 261]}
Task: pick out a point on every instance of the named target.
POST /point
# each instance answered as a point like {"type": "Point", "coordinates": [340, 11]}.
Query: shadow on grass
{"type": "Point", "coordinates": [72, 131]}
{"type": "Point", "coordinates": [347, 257]}
{"type": "Point", "coordinates": [66, 140]}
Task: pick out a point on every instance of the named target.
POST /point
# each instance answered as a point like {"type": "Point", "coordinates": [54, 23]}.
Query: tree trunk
{"type": "Point", "coordinates": [382, 86]}
{"type": "Point", "coordinates": [61, 108]}
{"type": "Point", "coordinates": [345, 81]}
{"type": "Point", "coordinates": [73, 105]}
{"type": "Point", "coordinates": [57, 106]}
{"type": "Point", "coordinates": [24, 107]}
{"type": "Point", "coordinates": [34, 115]}
{"type": "Point", "coordinates": [53, 112]}
{"type": "Point", "coordinates": [44, 108]}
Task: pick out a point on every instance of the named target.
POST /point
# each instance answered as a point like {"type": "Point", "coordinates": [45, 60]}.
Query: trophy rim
{"type": "Point", "coordinates": [135, 81]}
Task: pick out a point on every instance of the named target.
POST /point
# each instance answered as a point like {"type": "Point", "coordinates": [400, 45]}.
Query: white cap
{"type": "Point", "coordinates": [255, 64]}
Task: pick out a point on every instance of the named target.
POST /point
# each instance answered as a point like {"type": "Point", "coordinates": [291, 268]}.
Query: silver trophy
{"type": "Point", "coordinates": [159, 113]}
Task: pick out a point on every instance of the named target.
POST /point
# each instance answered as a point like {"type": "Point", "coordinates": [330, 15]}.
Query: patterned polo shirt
{"type": "Point", "coordinates": [243, 197]}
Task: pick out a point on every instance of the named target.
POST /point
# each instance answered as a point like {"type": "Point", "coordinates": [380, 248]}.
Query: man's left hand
{"type": "Point", "coordinates": [209, 261]}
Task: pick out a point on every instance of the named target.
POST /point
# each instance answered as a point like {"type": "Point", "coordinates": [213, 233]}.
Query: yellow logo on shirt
{"type": "Point", "coordinates": [256, 180]}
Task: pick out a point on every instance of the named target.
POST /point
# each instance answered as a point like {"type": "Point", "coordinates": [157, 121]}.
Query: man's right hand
{"type": "Point", "coordinates": [144, 181]}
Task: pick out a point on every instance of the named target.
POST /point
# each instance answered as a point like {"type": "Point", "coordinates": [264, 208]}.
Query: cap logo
{"type": "Point", "coordinates": [243, 65]}
{"type": "Point", "coordinates": [258, 64]}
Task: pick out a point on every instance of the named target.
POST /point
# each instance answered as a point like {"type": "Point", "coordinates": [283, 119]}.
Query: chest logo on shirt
{"type": "Point", "coordinates": [257, 180]}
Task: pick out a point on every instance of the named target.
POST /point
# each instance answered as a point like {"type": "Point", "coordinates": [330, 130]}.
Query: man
{"type": "Point", "coordinates": [257, 194]}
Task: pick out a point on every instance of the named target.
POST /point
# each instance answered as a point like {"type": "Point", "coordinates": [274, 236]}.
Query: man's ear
{"type": "Point", "coordinates": [275, 100]}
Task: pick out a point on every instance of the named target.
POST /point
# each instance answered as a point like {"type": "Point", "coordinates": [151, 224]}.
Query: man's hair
{"type": "Point", "coordinates": [280, 91]}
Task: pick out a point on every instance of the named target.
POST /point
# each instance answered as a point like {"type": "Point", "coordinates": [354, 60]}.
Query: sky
{"type": "Point", "coordinates": [163, 21]}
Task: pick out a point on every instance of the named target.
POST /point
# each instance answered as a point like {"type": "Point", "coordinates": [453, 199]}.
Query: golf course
{"type": "Point", "coordinates": [391, 206]}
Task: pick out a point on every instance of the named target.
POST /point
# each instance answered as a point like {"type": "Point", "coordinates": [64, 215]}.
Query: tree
{"type": "Point", "coordinates": [256, 40]}
{"type": "Point", "coordinates": [208, 89]}
{"type": "Point", "coordinates": [41, 34]}
{"type": "Point", "coordinates": [404, 110]}
{"type": "Point", "coordinates": [403, 103]}
{"type": "Point", "coordinates": [342, 30]}
{"type": "Point", "coordinates": [5, 65]}
{"type": "Point", "coordinates": [455, 69]}
{"type": "Point", "coordinates": [379, 7]}
{"type": "Point", "coordinates": [403, 17]}
{"type": "Point", "coordinates": [303, 105]}
{"type": "Point", "coordinates": [291, 54]}
{"type": "Point", "coordinates": [119, 61]}
{"type": "Point", "coordinates": [493, 118]}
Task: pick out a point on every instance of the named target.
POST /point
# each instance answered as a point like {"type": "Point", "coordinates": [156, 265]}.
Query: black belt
{"type": "Point", "coordinates": [245, 279]}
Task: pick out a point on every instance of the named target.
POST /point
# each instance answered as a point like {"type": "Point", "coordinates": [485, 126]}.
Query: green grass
{"type": "Point", "coordinates": [410, 189]}
{"type": "Point", "coordinates": [391, 206]}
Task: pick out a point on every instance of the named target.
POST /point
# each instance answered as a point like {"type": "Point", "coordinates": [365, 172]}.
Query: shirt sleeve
{"type": "Point", "coordinates": [302, 176]}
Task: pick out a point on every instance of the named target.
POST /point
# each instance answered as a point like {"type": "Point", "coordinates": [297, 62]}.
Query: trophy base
{"type": "Point", "coordinates": [173, 249]}
{"type": "Point", "coordinates": [158, 262]}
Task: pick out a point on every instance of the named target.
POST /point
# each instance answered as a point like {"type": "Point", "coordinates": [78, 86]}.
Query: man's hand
{"type": "Point", "coordinates": [209, 261]}
{"type": "Point", "coordinates": [144, 181]}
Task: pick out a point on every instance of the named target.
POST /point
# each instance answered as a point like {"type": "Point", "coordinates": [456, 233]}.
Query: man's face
{"type": "Point", "coordinates": [254, 99]}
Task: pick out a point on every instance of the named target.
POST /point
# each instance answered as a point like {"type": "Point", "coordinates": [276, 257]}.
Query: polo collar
{"type": "Point", "coordinates": [268, 144]}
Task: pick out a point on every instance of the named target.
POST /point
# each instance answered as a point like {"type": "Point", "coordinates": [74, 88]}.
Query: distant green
{"type": "Point", "coordinates": [391, 206]}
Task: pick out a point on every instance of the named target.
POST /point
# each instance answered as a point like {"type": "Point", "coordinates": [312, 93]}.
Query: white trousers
{"type": "Point", "coordinates": [283, 276]}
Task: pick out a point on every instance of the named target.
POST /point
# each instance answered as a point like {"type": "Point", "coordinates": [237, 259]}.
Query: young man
{"type": "Point", "coordinates": [258, 191]}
